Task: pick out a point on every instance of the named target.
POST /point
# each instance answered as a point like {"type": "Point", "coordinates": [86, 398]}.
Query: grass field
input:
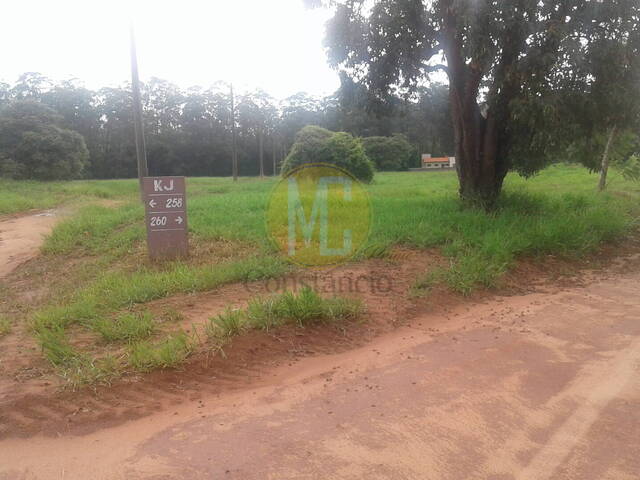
{"type": "Point", "coordinates": [97, 255]}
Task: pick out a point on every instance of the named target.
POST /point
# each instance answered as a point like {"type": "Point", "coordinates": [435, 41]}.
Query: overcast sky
{"type": "Point", "coordinates": [275, 45]}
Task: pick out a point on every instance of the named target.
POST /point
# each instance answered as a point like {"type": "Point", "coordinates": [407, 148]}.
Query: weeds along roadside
{"type": "Point", "coordinates": [534, 219]}
{"type": "Point", "coordinates": [139, 353]}
{"type": "Point", "coordinates": [94, 309]}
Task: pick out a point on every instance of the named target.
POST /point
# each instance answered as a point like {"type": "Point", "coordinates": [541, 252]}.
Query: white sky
{"type": "Point", "coordinates": [275, 45]}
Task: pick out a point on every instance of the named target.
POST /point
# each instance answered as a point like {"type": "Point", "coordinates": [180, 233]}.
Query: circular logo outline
{"type": "Point", "coordinates": [293, 172]}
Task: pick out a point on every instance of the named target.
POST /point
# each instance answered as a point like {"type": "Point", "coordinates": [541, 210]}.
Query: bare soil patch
{"type": "Point", "coordinates": [541, 385]}
{"type": "Point", "coordinates": [32, 405]}
{"type": "Point", "coordinates": [21, 238]}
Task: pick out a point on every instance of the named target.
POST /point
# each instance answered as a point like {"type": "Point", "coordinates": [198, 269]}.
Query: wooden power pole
{"type": "Point", "coordinates": [261, 148]}
{"type": "Point", "coordinates": [141, 149]}
{"type": "Point", "coordinates": [274, 156]}
{"type": "Point", "coordinates": [234, 141]}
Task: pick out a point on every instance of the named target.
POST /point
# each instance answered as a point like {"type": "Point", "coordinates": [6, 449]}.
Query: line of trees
{"type": "Point", "coordinates": [87, 133]}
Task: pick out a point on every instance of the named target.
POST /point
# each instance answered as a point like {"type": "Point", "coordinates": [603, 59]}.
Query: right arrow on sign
{"type": "Point", "coordinates": [179, 220]}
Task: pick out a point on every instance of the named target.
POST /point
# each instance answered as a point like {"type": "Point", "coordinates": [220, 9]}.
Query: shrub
{"type": "Point", "coordinates": [390, 153]}
{"type": "Point", "coordinates": [318, 145]}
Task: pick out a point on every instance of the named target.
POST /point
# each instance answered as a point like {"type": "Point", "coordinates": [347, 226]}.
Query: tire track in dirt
{"type": "Point", "coordinates": [492, 389]}
{"type": "Point", "coordinates": [246, 361]}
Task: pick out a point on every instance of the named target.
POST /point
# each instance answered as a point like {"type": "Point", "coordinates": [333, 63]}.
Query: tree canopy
{"type": "Point", "coordinates": [391, 153]}
{"type": "Point", "coordinates": [33, 145]}
{"type": "Point", "coordinates": [507, 62]}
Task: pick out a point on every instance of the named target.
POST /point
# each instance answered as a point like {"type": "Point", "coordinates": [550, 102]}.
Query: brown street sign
{"type": "Point", "coordinates": [165, 203]}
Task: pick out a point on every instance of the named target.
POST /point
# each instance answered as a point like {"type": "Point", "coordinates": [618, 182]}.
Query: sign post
{"type": "Point", "coordinates": [165, 203]}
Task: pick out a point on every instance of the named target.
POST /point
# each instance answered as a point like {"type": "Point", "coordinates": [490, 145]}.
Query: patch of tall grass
{"type": "Point", "coordinates": [528, 222]}
{"type": "Point", "coordinates": [18, 196]}
{"type": "Point", "coordinates": [303, 308]}
{"type": "Point", "coordinates": [116, 290]}
{"type": "Point", "coordinates": [126, 327]}
{"type": "Point", "coordinates": [5, 325]}
{"type": "Point", "coordinates": [167, 353]}
{"type": "Point", "coordinates": [97, 229]}
{"type": "Point", "coordinates": [92, 306]}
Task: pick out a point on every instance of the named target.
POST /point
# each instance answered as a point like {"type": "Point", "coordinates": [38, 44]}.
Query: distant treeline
{"type": "Point", "coordinates": [188, 132]}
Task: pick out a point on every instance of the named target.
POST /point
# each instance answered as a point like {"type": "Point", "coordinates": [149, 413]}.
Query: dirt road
{"type": "Point", "coordinates": [21, 237]}
{"type": "Point", "coordinates": [541, 386]}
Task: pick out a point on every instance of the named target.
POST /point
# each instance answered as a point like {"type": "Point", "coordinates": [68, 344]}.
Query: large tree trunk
{"type": "Point", "coordinates": [480, 170]}
{"type": "Point", "coordinates": [480, 162]}
{"type": "Point", "coordinates": [604, 170]}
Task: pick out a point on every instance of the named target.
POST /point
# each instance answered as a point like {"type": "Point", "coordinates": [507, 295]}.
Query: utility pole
{"type": "Point", "coordinates": [261, 148]}
{"type": "Point", "coordinates": [234, 147]}
{"type": "Point", "coordinates": [141, 149]}
{"type": "Point", "coordinates": [274, 155]}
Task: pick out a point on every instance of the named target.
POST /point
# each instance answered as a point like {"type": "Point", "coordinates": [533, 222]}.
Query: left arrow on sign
{"type": "Point", "coordinates": [152, 203]}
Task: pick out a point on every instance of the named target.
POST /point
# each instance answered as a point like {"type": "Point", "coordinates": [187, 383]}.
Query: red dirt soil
{"type": "Point", "coordinates": [542, 385]}
{"type": "Point", "coordinates": [34, 404]}
{"type": "Point", "coordinates": [21, 237]}
{"type": "Point", "coordinates": [536, 383]}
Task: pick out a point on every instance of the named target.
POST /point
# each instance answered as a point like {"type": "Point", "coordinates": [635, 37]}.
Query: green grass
{"type": "Point", "coordinates": [96, 229]}
{"type": "Point", "coordinates": [75, 367]}
{"type": "Point", "coordinates": [56, 347]}
{"type": "Point", "coordinates": [85, 370]}
{"type": "Point", "coordinates": [127, 327]}
{"type": "Point", "coordinates": [169, 352]}
{"type": "Point", "coordinates": [556, 212]}
{"type": "Point", "coordinates": [18, 196]}
{"type": "Point", "coordinates": [227, 324]}
{"type": "Point", "coordinates": [102, 271]}
{"type": "Point", "coordinates": [303, 308]}
{"type": "Point", "coordinates": [116, 290]}
{"type": "Point", "coordinates": [92, 306]}
{"type": "Point", "coordinates": [5, 326]}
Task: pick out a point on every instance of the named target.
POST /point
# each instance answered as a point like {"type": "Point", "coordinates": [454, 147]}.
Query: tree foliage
{"type": "Point", "coordinates": [34, 146]}
{"type": "Point", "coordinates": [391, 153]}
{"type": "Point", "coordinates": [601, 105]}
{"type": "Point", "coordinates": [317, 145]}
{"type": "Point", "coordinates": [506, 61]}
{"type": "Point", "coordinates": [188, 131]}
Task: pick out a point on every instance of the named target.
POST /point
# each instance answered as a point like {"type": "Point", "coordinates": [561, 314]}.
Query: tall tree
{"type": "Point", "coordinates": [257, 115]}
{"type": "Point", "coordinates": [33, 145]}
{"type": "Point", "coordinates": [500, 57]}
{"type": "Point", "coordinates": [605, 104]}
